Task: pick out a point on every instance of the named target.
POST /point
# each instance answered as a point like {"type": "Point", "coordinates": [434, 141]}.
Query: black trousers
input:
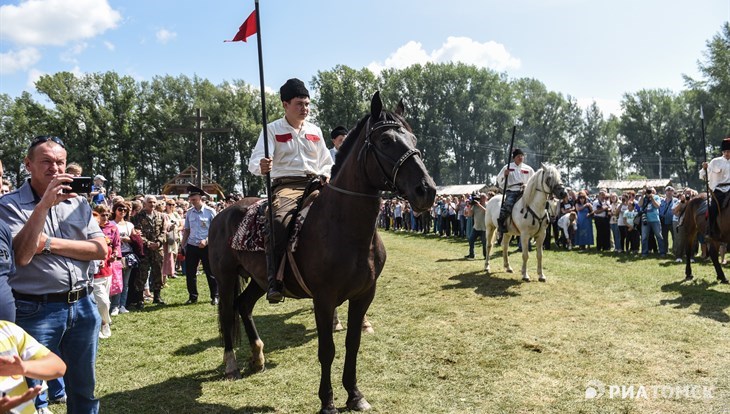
{"type": "Point", "coordinates": [193, 256]}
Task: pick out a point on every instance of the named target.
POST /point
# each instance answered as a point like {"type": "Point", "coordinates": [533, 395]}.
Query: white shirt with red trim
{"type": "Point", "coordinates": [517, 178]}
{"type": "Point", "coordinates": [294, 154]}
{"type": "Point", "coordinates": [719, 178]}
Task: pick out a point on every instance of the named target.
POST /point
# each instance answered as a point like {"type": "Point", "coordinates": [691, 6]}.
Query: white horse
{"type": "Point", "coordinates": [529, 218]}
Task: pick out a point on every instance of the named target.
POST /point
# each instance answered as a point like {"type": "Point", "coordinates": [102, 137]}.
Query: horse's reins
{"type": "Point", "coordinates": [367, 146]}
{"type": "Point", "coordinates": [540, 219]}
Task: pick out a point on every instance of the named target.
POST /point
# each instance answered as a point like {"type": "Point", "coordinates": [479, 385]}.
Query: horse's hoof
{"type": "Point", "coordinates": [542, 279]}
{"type": "Point", "coordinates": [337, 327]}
{"type": "Point", "coordinates": [526, 279]}
{"type": "Point", "coordinates": [359, 404]}
{"type": "Point", "coordinates": [331, 410]}
{"type": "Point", "coordinates": [724, 281]}
{"type": "Point", "coordinates": [688, 278]}
{"type": "Point", "coordinates": [368, 329]}
{"type": "Point", "coordinates": [509, 270]}
{"type": "Point", "coordinates": [255, 366]}
{"type": "Point", "coordinates": [235, 375]}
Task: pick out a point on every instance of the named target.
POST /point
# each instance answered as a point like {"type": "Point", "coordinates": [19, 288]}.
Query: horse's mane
{"type": "Point", "coordinates": [352, 136]}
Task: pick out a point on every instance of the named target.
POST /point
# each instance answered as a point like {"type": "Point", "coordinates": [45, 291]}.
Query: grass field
{"type": "Point", "coordinates": [451, 339]}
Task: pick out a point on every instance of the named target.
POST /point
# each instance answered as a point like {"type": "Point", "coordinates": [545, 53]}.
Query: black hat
{"type": "Point", "coordinates": [293, 88]}
{"type": "Point", "coordinates": [725, 146]}
{"type": "Point", "coordinates": [340, 130]}
{"type": "Point", "coordinates": [517, 152]}
{"type": "Point", "coordinates": [195, 190]}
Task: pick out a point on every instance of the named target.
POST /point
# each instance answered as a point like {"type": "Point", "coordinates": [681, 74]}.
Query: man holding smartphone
{"type": "Point", "coordinates": [54, 240]}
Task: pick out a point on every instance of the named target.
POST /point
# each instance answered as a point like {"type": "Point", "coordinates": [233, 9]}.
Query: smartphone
{"type": "Point", "coordinates": [80, 185]}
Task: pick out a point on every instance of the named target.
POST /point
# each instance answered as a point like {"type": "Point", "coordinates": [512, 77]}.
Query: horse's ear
{"type": "Point", "coordinates": [376, 106]}
{"type": "Point", "coordinates": [400, 109]}
{"type": "Point", "coordinates": [543, 165]}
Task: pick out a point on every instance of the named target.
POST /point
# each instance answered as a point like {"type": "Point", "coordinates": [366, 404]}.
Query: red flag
{"type": "Point", "coordinates": [248, 28]}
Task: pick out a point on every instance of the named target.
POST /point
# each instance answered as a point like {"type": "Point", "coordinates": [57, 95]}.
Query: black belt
{"type": "Point", "coordinates": [71, 296]}
{"type": "Point", "coordinates": [292, 179]}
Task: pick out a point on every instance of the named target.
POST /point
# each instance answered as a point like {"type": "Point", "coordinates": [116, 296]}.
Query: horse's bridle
{"type": "Point", "coordinates": [368, 146]}
{"type": "Point", "coordinates": [542, 184]}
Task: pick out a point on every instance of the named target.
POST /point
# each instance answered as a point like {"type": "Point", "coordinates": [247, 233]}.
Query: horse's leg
{"type": "Point", "coordinates": [538, 252]}
{"type": "Point", "coordinates": [713, 253]}
{"type": "Point", "coordinates": [228, 323]}
{"type": "Point", "coordinates": [355, 400]}
{"type": "Point", "coordinates": [246, 302]}
{"type": "Point", "coordinates": [323, 313]}
{"type": "Point", "coordinates": [525, 243]}
{"type": "Point", "coordinates": [367, 327]}
{"type": "Point", "coordinates": [490, 234]}
{"type": "Point", "coordinates": [336, 324]}
{"type": "Point", "coordinates": [505, 251]}
{"type": "Point", "coordinates": [689, 243]}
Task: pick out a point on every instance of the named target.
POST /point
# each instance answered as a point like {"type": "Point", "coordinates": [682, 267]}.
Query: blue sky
{"type": "Point", "coordinates": [584, 48]}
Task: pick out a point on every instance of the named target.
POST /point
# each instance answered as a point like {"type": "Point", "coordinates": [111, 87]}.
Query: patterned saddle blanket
{"type": "Point", "coordinates": [251, 232]}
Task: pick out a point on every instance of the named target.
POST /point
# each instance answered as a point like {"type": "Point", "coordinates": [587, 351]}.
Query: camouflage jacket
{"type": "Point", "coordinates": [152, 227]}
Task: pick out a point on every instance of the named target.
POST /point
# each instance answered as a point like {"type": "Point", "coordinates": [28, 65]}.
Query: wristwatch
{"type": "Point", "coordinates": [47, 246]}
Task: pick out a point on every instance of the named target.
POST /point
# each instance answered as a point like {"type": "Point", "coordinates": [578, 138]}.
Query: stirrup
{"type": "Point", "coordinates": [274, 292]}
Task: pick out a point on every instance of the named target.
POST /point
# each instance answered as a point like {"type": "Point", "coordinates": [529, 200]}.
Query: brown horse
{"type": "Point", "coordinates": [695, 223]}
{"type": "Point", "coordinates": [339, 254]}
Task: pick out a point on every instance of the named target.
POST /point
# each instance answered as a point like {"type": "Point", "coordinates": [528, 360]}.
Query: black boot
{"type": "Point", "coordinates": [157, 298]}
{"type": "Point", "coordinates": [274, 293]}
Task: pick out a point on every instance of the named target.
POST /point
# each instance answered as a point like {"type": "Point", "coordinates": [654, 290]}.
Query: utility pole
{"type": "Point", "coordinates": [198, 118]}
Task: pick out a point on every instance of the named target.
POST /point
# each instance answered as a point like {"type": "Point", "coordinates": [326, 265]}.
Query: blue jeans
{"type": "Point", "coordinates": [616, 237]}
{"type": "Point", "coordinates": [482, 236]}
{"type": "Point", "coordinates": [121, 299]}
{"type": "Point", "coordinates": [71, 331]}
{"type": "Point", "coordinates": [652, 227]}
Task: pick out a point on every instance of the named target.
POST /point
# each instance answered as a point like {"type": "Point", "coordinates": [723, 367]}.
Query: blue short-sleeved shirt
{"type": "Point", "coordinates": [70, 220]}
{"type": "Point", "coordinates": [198, 221]}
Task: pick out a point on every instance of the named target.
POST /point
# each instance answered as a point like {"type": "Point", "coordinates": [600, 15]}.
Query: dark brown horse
{"type": "Point", "coordinates": [695, 223]}
{"type": "Point", "coordinates": [339, 254]}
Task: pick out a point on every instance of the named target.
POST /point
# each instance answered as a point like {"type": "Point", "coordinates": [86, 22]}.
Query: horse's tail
{"type": "Point", "coordinates": [693, 221]}
{"type": "Point", "coordinates": [227, 270]}
{"type": "Point", "coordinates": [229, 319]}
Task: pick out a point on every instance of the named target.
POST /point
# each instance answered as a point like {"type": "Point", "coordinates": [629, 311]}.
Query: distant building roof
{"type": "Point", "coordinates": [658, 183]}
{"type": "Point", "coordinates": [461, 189]}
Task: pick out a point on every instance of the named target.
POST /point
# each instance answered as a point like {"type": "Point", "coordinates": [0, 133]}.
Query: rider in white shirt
{"type": "Point", "coordinates": [516, 173]}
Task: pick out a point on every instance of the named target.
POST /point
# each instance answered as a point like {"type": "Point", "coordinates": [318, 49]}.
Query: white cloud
{"type": "Point", "coordinates": [56, 22]}
{"type": "Point", "coordinates": [109, 45]}
{"type": "Point", "coordinates": [33, 76]}
{"type": "Point", "coordinates": [12, 61]}
{"type": "Point", "coordinates": [164, 36]}
{"type": "Point", "coordinates": [70, 54]}
{"type": "Point", "coordinates": [490, 55]}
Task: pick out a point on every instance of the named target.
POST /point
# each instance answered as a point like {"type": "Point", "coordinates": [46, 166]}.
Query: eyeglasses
{"type": "Point", "coordinates": [45, 138]}
{"type": "Point", "coordinates": [171, 204]}
{"type": "Point", "coordinates": [122, 209]}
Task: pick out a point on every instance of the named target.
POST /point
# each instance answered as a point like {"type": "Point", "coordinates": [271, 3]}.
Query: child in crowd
{"type": "Point", "coordinates": [22, 356]}
{"type": "Point", "coordinates": [102, 279]}
{"type": "Point", "coordinates": [568, 224]}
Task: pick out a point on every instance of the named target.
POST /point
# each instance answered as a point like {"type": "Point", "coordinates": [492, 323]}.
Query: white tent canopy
{"type": "Point", "coordinates": [461, 189]}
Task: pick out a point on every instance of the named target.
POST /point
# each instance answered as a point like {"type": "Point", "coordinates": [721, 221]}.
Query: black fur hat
{"type": "Point", "coordinates": [293, 88]}
{"type": "Point", "coordinates": [340, 130]}
{"type": "Point", "coordinates": [725, 145]}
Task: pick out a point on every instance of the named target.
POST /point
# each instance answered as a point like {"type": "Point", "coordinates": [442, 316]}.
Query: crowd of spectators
{"type": "Point", "coordinates": [630, 222]}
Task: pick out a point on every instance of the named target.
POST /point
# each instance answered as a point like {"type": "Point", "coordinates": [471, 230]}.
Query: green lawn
{"type": "Point", "coordinates": [450, 339]}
